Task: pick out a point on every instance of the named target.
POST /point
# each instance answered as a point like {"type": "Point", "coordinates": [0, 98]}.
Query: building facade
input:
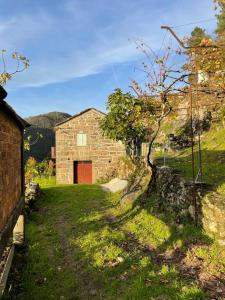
{"type": "Point", "coordinates": [83, 154]}
{"type": "Point", "coordinates": [11, 170]}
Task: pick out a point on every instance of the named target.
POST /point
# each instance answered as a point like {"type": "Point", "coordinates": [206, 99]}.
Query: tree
{"type": "Point", "coordinates": [126, 120]}
{"type": "Point", "coordinates": [210, 61]}
{"type": "Point", "coordinates": [197, 35]}
{"type": "Point", "coordinates": [30, 169]}
{"type": "Point", "coordinates": [22, 63]}
{"type": "Point", "coordinates": [50, 168]}
{"type": "Point", "coordinates": [163, 79]}
{"type": "Point", "coordinates": [29, 141]}
{"type": "Point", "coordinates": [220, 5]}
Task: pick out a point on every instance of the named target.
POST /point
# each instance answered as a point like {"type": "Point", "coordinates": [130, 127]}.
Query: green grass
{"type": "Point", "coordinates": [83, 245]}
{"type": "Point", "coordinates": [213, 158]}
{"type": "Point", "coordinates": [46, 181]}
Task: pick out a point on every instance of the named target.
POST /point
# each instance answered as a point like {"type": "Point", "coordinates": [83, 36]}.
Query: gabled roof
{"type": "Point", "coordinates": [10, 111]}
{"type": "Point", "coordinates": [79, 114]}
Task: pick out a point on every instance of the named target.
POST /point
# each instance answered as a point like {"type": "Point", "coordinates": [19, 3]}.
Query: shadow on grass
{"type": "Point", "coordinates": [181, 241]}
{"type": "Point", "coordinates": [106, 261]}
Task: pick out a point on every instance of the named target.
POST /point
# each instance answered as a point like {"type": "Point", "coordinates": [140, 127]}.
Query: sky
{"type": "Point", "coordinates": [81, 50]}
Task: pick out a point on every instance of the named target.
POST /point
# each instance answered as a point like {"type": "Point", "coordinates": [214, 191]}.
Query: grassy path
{"type": "Point", "coordinates": [82, 245]}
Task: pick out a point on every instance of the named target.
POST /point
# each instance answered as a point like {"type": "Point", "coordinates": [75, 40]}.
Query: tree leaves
{"type": "Point", "coordinates": [127, 118]}
{"type": "Point", "coordinates": [22, 63]}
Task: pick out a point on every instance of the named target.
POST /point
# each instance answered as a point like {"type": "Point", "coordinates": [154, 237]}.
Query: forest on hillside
{"type": "Point", "coordinates": [42, 134]}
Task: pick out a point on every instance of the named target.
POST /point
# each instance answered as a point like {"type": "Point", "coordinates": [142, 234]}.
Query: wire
{"type": "Point", "coordinates": [163, 40]}
{"type": "Point", "coordinates": [193, 23]}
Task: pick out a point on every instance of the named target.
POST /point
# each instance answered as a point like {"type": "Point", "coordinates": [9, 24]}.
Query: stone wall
{"type": "Point", "coordinates": [213, 210]}
{"type": "Point", "coordinates": [175, 192]}
{"type": "Point", "coordinates": [103, 152]}
{"type": "Point", "coordinates": [10, 166]}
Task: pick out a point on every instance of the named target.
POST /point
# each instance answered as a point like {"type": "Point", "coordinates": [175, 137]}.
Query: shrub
{"type": "Point", "coordinates": [125, 167]}
{"type": "Point", "coordinates": [31, 169]}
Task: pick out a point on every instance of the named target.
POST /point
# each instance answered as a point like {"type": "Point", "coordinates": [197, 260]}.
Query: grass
{"type": "Point", "coordinates": [213, 158]}
{"type": "Point", "coordinates": [82, 244]}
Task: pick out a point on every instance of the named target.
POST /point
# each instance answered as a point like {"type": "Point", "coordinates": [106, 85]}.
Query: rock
{"type": "Point", "coordinates": [191, 210]}
{"type": "Point", "coordinates": [120, 259]}
{"type": "Point", "coordinates": [32, 192]}
{"type": "Point", "coordinates": [115, 185]}
{"type": "Point", "coordinates": [221, 242]}
{"type": "Point", "coordinates": [176, 193]}
{"type": "Point", "coordinates": [173, 189]}
{"type": "Point", "coordinates": [213, 211]}
{"type": "Point", "coordinates": [180, 227]}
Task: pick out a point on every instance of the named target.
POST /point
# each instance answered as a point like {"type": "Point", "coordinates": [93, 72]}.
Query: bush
{"type": "Point", "coordinates": [31, 170]}
{"type": "Point", "coordinates": [46, 168]}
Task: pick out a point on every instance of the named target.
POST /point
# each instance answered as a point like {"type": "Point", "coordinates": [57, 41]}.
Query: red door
{"type": "Point", "coordinates": [83, 172]}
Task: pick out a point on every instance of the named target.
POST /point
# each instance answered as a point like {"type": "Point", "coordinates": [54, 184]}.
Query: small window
{"type": "Point", "coordinates": [81, 139]}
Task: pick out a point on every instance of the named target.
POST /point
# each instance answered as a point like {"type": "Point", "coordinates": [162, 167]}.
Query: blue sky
{"type": "Point", "coordinates": [81, 50]}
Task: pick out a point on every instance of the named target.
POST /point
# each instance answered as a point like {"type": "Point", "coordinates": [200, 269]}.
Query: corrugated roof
{"type": "Point", "coordinates": [79, 114]}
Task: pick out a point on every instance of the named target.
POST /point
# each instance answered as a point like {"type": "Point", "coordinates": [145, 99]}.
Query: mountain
{"type": "Point", "coordinates": [44, 125]}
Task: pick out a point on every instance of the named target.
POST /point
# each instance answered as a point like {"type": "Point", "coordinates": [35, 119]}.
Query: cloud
{"type": "Point", "coordinates": [78, 38]}
{"type": "Point", "coordinates": [20, 30]}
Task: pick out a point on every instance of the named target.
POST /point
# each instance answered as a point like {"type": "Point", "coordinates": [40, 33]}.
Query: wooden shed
{"type": "Point", "coordinates": [11, 174]}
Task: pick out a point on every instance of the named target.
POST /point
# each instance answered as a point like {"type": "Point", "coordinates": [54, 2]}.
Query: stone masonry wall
{"type": "Point", "coordinates": [213, 210]}
{"type": "Point", "coordinates": [175, 192]}
{"type": "Point", "coordinates": [10, 167]}
{"type": "Point", "coordinates": [103, 152]}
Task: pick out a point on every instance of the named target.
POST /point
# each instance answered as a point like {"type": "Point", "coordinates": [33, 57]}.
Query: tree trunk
{"type": "Point", "coordinates": [152, 183]}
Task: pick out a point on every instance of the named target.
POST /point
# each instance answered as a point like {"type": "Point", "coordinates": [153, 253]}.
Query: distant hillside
{"type": "Point", "coordinates": [48, 120]}
{"type": "Point", "coordinates": [44, 125]}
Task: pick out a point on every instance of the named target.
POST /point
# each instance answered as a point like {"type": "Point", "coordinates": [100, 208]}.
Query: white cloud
{"type": "Point", "coordinates": [86, 39]}
{"type": "Point", "coordinates": [20, 30]}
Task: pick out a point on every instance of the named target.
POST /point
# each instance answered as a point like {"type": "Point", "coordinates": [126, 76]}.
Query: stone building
{"type": "Point", "coordinates": [83, 154]}
{"type": "Point", "coordinates": [11, 172]}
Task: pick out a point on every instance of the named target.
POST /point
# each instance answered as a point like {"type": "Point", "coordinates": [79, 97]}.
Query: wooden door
{"type": "Point", "coordinates": [83, 172]}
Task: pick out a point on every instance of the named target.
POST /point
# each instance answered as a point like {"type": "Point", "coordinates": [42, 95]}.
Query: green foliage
{"type": "Point", "coordinates": [50, 171]}
{"type": "Point", "coordinates": [220, 5]}
{"type": "Point", "coordinates": [46, 168]}
{"type": "Point", "coordinates": [30, 169]}
{"type": "Point", "coordinates": [28, 141]}
{"type": "Point", "coordinates": [33, 169]}
{"type": "Point", "coordinates": [126, 119]}
{"type": "Point", "coordinates": [43, 125]}
{"type": "Point", "coordinates": [197, 35]}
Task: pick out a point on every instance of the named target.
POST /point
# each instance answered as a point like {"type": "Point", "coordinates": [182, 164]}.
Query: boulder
{"type": "Point", "coordinates": [32, 192]}
{"type": "Point", "coordinates": [213, 212]}
{"type": "Point", "coordinates": [115, 185]}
